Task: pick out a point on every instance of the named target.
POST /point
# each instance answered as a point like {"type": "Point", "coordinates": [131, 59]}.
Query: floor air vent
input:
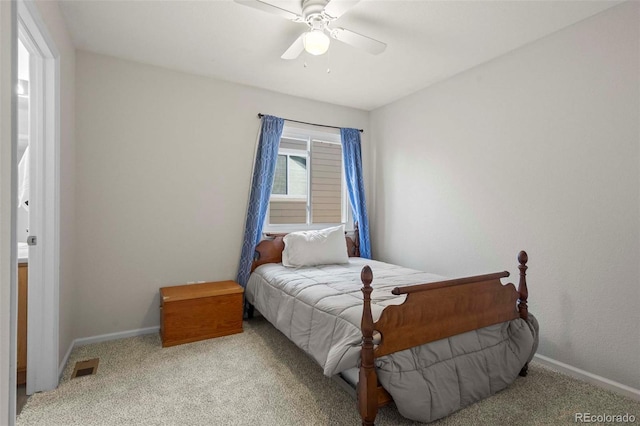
{"type": "Point", "coordinates": [85, 368]}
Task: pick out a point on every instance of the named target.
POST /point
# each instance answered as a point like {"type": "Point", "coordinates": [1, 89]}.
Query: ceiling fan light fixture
{"type": "Point", "coordinates": [316, 42]}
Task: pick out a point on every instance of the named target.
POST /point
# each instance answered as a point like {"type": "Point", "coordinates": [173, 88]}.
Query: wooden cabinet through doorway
{"type": "Point", "coordinates": [23, 269]}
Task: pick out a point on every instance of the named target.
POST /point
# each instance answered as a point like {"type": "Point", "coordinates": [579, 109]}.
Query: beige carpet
{"type": "Point", "coordinates": [260, 378]}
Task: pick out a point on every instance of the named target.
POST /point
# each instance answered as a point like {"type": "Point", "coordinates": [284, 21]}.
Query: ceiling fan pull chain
{"type": "Point", "coordinates": [328, 62]}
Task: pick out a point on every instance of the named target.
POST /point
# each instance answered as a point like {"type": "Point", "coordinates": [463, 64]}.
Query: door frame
{"type": "Point", "coordinates": [44, 268]}
{"type": "Point", "coordinates": [8, 201]}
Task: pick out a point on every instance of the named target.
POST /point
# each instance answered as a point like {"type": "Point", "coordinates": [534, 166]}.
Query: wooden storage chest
{"type": "Point", "coordinates": [193, 312]}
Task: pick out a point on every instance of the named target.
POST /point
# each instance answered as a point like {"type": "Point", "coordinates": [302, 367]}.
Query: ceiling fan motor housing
{"type": "Point", "coordinates": [312, 10]}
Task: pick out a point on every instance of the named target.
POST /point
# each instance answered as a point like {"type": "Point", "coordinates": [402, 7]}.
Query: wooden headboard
{"type": "Point", "coordinates": [270, 250]}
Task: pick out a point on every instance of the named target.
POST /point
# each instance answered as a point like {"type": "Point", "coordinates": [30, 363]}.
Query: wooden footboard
{"type": "Point", "coordinates": [432, 312]}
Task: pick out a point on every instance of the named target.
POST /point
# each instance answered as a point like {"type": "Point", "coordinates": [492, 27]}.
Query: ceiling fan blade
{"type": "Point", "coordinates": [295, 49]}
{"type": "Point", "coordinates": [266, 7]}
{"type": "Point", "coordinates": [336, 8]}
{"type": "Point", "coordinates": [358, 40]}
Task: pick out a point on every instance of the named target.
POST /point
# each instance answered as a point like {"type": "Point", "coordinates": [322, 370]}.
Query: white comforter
{"type": "Point", "coordinates": [320, 308]}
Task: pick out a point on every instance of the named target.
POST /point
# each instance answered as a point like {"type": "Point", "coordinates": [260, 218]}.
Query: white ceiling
{"type": "Point", "coordinates": [428, 41]}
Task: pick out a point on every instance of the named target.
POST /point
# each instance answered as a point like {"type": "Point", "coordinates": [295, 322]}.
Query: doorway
{"type": "Point", "coordinates": [37, 161]}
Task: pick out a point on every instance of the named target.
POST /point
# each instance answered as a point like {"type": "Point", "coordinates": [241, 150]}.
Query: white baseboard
{"type": "Point", "coordinates": [103, 338]}
{"type": "Point", "coordinates": [64, 360]}
{"type": "Point", "coordinates": [585, 376]}
{"type": "Point", "coordinates": [113, 336]}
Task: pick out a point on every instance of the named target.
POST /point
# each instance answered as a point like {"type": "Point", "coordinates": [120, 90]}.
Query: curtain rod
{"type": "Point", "coordinates": [260, 115]}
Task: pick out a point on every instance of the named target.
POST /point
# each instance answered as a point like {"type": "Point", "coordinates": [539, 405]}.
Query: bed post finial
{"type": "Point", "coordinates": [368, 380]}
{"type": "Point", "coordinates": [523, 258]}
{"type": "Point", "coordinates": [367, 277]}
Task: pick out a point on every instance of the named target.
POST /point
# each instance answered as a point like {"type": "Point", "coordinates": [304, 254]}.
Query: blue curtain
{"type": "Point", "coordinates": [263, 171]}
{"type": "Point", "coordinates": [355, 185]}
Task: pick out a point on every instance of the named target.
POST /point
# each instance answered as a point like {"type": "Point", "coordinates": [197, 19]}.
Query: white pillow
{"type": "Point", "coordinates": [311, 248]}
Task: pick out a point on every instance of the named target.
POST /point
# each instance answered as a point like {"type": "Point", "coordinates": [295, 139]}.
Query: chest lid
{"type": "Point", "coordinates": [197, 291]}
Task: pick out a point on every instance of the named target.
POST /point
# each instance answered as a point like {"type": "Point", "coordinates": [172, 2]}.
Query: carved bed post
{"type": "Point", "coordinates": [523, 258]}
{"type": "Point", "coordinates": [356, 239]}
{"type": "Point", "coordinates": [368, 380]}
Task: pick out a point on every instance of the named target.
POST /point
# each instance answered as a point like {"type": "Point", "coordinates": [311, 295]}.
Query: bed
{"type": "Point", "coordinates": [429, 344]}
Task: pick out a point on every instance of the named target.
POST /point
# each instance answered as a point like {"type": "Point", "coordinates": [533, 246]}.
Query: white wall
{"type": "Point", "coordinates": [535, 150]}
{"type": "Point", "coordinates": [164, 163]}
{"type": "Point", "coordinates": [52, 18]}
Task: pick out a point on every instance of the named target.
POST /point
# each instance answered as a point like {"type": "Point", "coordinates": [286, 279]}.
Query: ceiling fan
{"type": "Point", "coordinates": [318, 15]}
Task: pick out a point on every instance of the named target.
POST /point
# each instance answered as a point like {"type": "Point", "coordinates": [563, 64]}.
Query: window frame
{"type": "Point", "coordinates": [309, 135]}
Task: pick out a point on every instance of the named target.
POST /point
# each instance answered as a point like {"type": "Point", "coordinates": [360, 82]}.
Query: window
{"type": "Point", "coordinates": [290, 179]}
{"type": "Point", "coordinates": [308, 188]}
